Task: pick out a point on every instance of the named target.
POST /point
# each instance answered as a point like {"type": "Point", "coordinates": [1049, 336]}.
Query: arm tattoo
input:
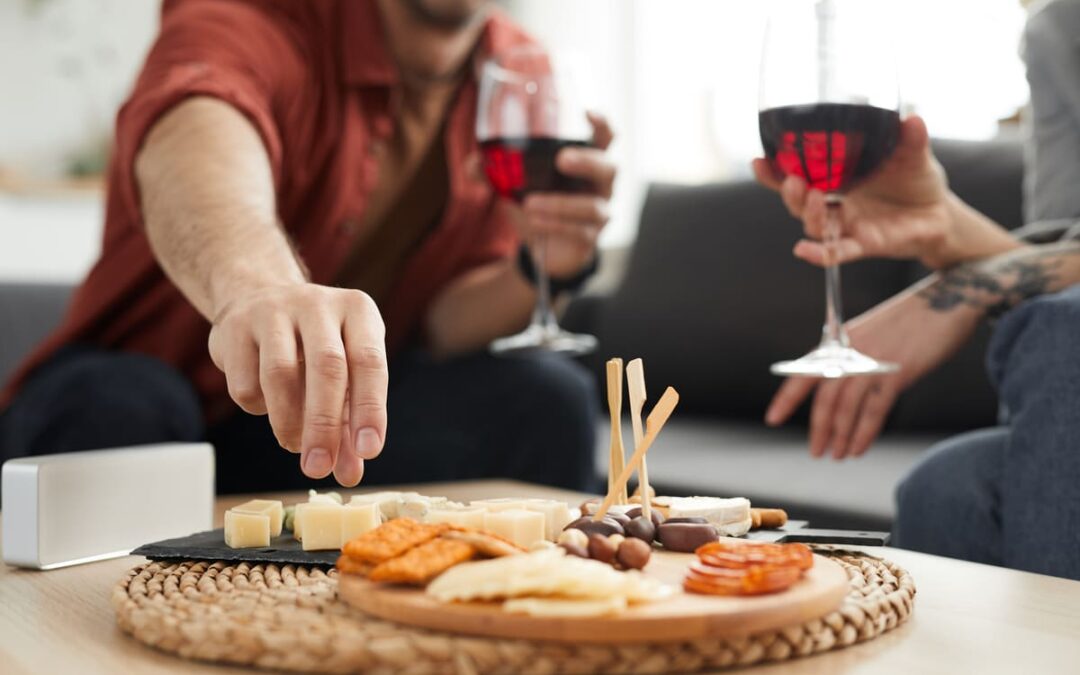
{"type": "Point", "coordinates": [998, 284]}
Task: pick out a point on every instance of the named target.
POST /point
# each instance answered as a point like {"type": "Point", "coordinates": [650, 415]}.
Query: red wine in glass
{"type": "Point", "coordinates": [829, 145]}
{"type": "Point", "coordinates": [518, 166]}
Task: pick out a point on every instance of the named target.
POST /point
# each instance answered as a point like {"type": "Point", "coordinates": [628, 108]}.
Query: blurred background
{"type": "Point", "coordinates": [678, 78]}
{"type": "Point", "coordinates": [697, 276]}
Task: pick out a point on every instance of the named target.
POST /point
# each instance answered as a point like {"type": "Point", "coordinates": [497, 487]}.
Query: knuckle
{"type": "Point", "coordinates": [280, 369]}
{"type": "Point", "coordinates": [367, 357]}
{"type": "Point", "coordinates": [320, 421]}
{"type": "Point", "coordinates": [246, 394]}
{"type": "Point", "coordinates": [330, 362]}
{"type": "Point", "coordinates": [359, 300]}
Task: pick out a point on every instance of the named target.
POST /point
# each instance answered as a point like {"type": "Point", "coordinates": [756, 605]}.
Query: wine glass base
{"type": "Point", "coordinates": [833, 362]}
{"type": "Point", "coordinates": [539, 338]}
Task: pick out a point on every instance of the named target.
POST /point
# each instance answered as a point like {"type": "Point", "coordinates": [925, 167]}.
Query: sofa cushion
{"type": "Point", "coordinates": [712, 295]}
{"type": "Point", "coordinates": [699, 456]}
{"type": "Point", "coordinates": [28, 312]}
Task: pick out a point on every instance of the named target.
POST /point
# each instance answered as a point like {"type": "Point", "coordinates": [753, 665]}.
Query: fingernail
{"type": "Point", "coordinates": [368, 444]}
{"type": "Point", "coordinates": [770, 418]}
{"type": "Point", "coordinates": [317, 462]}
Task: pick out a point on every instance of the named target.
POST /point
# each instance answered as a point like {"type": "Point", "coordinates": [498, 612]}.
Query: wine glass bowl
{"type": "Point", "coordinates": [829, 114]}
{"type": "Point", "coordinates": [530, 108]}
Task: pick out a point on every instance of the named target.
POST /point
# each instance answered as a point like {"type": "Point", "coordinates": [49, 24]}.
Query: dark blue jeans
{"type": "Point", "coordinates": [530, 417]}
{"type": "Point", "coordinates": [1011, 495]}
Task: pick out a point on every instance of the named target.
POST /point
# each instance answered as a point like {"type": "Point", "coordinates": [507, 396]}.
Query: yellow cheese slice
{"type": "Point", "coordinates": [520, 526]}
{"type": "Point", "coordinates": [356, 519]}
{"type": "Point", "coordinates": [322, 526]}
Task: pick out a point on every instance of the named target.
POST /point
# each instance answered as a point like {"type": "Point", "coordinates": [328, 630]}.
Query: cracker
{"type": "Point", "coordinates": [347, 565]}
{"type": "Point", "coordinates": [487, 544]}
{"type": "Point", "coordinates": [424, 562]}
{"type": "Point", "coordinates": [390, 540]}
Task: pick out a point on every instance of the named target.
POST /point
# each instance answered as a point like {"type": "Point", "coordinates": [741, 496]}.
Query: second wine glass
{"type": "Point", "coordinates": [829, 106]}
{"type": "Point", "coordinates": [529, 109]}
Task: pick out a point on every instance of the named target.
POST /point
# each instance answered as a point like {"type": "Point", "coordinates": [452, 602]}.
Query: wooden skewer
{"type": "Point", "coordinates": [617, 455]}
{"type": "Point", "coordinates": [655, 422]}
{"type": "Point", "coordinates": [635, 382]}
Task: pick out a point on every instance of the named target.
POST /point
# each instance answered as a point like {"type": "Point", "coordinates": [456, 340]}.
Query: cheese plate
{"type": "Point", "coordinates": [682, 617]}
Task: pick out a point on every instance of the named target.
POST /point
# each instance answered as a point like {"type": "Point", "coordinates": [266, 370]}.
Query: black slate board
{"type": "Point", "coordinates": [210, 545]}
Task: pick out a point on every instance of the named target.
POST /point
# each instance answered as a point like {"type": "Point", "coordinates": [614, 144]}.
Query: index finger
{"type": "Point", "coordinates": [325, 382]}
{"type": "Point", "coordinates": [368, 382]}
{"type": "Point", "coordinates": [791, 394]}
{"type": "Point", "coordinates": [766, 174]}
{"type": "Point", "coordinates": [592, 164]}
{"type": "Point", "coordinates": [602, 133]}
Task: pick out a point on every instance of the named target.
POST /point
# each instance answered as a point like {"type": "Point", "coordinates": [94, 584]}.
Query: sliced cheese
{"type": "Point", "coordinates": [246, 530]}
{"type": "Point", "coordinates": [271, 507]}
{"type": "Point", "coordinates": [556, 515]}
{"type": "Point", "coordinates": [565, 607]}
{"type": "Point", "coordinates": [520, 526]}
{"type": "Point", "coordinates": [466, 517]}
{"type": "Point", "coordinates": [322, 524]}
{"type": "Point", "coordinates": [356, 519]}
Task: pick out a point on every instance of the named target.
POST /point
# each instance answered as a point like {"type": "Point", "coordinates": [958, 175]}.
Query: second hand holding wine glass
{"type": "Point", "coordinates": [831, 120]}
{"type": "Point", "coordinates": [529, 109]}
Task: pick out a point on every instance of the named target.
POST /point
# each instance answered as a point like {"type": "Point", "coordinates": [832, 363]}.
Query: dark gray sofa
{"type": "Point", "coordinates": [711, 296]}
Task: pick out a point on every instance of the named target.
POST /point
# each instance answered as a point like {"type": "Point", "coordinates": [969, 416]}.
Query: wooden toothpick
{"type": "Point", "coordinates": [617, 454]}
{"type": "Point", "coordinates": [635, 383]}
{"type": "Point", "coordinates": [655, 422]}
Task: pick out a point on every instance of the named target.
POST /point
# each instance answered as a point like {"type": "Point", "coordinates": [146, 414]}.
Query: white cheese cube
{"type": "Point", "coordinates": [466, 517]}
{"type": "Point", "coordinates": [417, 506]}
{"type": "Point", "coordinates": [518, 525]}
{"type": "Point", "coordinates": [502, 504]}
{"type": "Point", "coordinates": [322, 526]}
{"type": "Point", "coordinates": [356, 519]}
{"type": "Point", "coordinates": [246, 530]}
{"type": "Point", "coordinates": [556, 515]}
{"type": "Point", "coordinates": [388, 501]}
{"type": "Point", "coordinates": [271, 507]}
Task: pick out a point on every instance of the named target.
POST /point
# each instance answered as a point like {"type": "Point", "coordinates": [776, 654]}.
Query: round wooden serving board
{"type": "Point", "coordinates": [683, 617]}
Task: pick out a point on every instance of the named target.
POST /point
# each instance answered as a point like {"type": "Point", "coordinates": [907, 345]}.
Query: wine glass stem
{"type": "Point", "coordinates": [543, 316]}
{"type": "Point", "coordinates": [833, 333]}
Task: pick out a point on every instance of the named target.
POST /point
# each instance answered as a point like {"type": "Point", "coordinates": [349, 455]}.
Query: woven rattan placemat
{"type": "Point", "coordinates": [289, 618]}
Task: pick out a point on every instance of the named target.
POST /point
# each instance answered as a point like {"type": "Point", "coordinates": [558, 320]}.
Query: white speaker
{"type": "Point", "coordinates": [79, 507]}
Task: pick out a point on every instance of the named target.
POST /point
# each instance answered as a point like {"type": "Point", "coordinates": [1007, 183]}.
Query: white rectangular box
{"type": "Point", "coordinates": [78, 507]}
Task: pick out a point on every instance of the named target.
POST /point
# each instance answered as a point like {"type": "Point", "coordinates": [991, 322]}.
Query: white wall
{"type": "Point", "coordinates": [677, 77]}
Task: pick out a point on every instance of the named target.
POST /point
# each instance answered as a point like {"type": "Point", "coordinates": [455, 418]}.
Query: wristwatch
{"type": "Point", "coordinates": [556, 284]}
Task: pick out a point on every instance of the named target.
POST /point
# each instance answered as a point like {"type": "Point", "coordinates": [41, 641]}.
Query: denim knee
{"type": "Point", "coordinates": [1037, 340]}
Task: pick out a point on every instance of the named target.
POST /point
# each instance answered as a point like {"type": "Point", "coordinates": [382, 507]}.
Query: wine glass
{"type": "Point", "coordinates": [529, 109]}
{"type": "Point", "coordinates": [828, 113]}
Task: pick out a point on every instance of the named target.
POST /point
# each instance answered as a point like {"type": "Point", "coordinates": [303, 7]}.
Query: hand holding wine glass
{"type": "Point", "coordinates": [544, 152]}
{"type": "Point", "coordinates": [829, 116]}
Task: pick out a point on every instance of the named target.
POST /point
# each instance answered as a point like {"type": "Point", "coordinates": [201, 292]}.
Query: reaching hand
{"type": "Point", "coordinates": [848, 414]}
{"type": "Point", "coordinates": [313, 358]}
{"type": "Point", "coordinates": [570, 222]}
{"type": "Point", "coordinates": [903, 210]}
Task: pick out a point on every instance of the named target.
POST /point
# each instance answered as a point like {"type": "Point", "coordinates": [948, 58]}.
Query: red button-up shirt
{"type": "Point", "coordinates": [316, 79]}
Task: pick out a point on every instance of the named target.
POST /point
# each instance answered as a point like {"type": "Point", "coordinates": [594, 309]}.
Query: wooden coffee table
{"type": "Point", "coordinates": [968, 618]}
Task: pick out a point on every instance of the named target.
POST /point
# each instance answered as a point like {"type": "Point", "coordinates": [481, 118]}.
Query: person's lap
{"type": "Point", "coordinates": [529, 417]}
{"type": "Point", "coordinates": [1011, 496]}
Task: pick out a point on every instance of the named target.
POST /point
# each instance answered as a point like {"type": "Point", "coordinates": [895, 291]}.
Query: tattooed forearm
{"type": "Point", "coordinates": [998, 284]}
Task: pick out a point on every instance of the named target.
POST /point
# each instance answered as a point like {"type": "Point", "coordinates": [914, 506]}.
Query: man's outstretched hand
{"type": "Point", "coordinates": [313, 358]}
